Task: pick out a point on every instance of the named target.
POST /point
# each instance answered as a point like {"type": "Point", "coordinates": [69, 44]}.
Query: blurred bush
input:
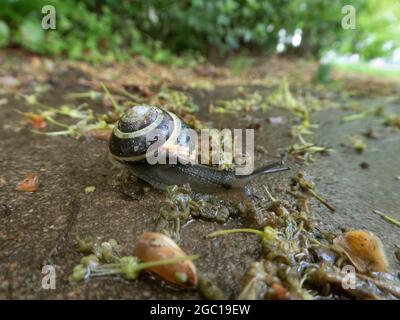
{"type": "Point", "coordinates": [98, 30]}
{"type": "Point", "coordinates": [378, 30]}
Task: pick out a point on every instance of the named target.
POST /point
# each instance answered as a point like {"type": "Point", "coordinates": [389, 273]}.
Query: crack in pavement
{"type": "Point", "coordinates": [74, 210]}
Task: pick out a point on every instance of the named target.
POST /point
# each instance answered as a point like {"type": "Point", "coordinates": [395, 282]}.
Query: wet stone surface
{"type": "Point", "coordinates": [40, 228]}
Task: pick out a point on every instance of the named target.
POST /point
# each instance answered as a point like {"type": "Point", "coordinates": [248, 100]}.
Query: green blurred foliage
{"type": "Point", "coordinates": [378, 30]}
{"type": "Point", "coordinates": [4, 34]}
{"type": "Point", "coordinates": [105, 30]}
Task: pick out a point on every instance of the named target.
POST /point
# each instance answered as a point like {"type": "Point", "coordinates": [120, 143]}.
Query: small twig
{"type": "Point", "coordinates": [87, 94]}
{"type": "Point", "coordinates": [117, 108]}
{"type": "Point", "coordinates": [117, 268]}
{"type": "Point", "coordinates": [269, 194]}
{"type": "Point", "coordinates": [391, 288]}
{"type": "Point", "coordinates": [245, 230]}
{"type": "Point", "coordinates": [151, 264]}
{"type": "Point", "coordinates": [322, 200]}
{"type": "Point", "coordinates": [388, 218]}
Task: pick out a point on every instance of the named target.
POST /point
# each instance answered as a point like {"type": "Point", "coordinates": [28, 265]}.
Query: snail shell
{"type": "Point", "coordinates": [364, 249]}
{"type": "Point", "coordinates": [129, 144]}
{"type": "Point", "coordinates": [134, 133]}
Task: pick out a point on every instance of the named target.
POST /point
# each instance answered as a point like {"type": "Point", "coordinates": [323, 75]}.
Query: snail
{"type": "Point", "coordinates": [130, 142]}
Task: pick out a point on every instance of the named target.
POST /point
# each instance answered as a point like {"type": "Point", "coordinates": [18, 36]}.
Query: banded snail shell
{"type": "Point", "coordinates": [134, 133]}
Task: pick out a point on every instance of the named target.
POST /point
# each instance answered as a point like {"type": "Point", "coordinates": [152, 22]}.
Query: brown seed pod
{"type": "Point", "coordinates": [29, 184]}
{"type": "Point", "coordinates": [154, 246]}
{"type": "Point", "coordinates": [34, 120]}
{"type": "Point", "coordinates": [364, 250]}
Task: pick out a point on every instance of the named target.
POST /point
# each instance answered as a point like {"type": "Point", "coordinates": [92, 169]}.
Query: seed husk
{"type": "Point", "coordinates": [29, 184]}
{"type": "Point", "coordinates": [153, 246]}
{"type": "Point", "coordinates": [364, 250]}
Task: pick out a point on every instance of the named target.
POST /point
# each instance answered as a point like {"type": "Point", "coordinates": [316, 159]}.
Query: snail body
{"type": "Point", "coordinates": [129, 143]}
{"type": "Point", "coordinates": [201, 178]}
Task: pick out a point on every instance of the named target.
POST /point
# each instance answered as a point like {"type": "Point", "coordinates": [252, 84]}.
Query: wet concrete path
{"type": "Point", "coordinates": [39, 228]}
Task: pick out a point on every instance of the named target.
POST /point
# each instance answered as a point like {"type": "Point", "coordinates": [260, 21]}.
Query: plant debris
{"type": "Point", "coordinates": [283, 98]}
{"type": "Point", "coordinates": [104, 259]}
{"type": "Point", "coordinates": [370, 134]}
{"type": "Point", "coordinates": [357, 144]}
{"type": "Point", "coordinates": [376, 112]}
{"type": "Point", "coordinates": [397, 253]}
{"type": "Point", "coordinates": [364, 165]}
{"type": "Point", "coordinates": [300, 183]}
{"type": "Point", "coordinates": [388, 218]}
{"type": "Point", "coordinates": [209, 289]}
{"type": "Point", "coordinates": [153, 247]}
{"type": "Point", "coordinates": [100, 134]}
{"type": "Point", "coordinates": [300, 261]}
{"type": "Point", "coordinates": [253, 102]}
{"type": "Point", "coordinates": [34, 120]}
{"type": "Point", "coordinates": [305, 151]}
{"type": "Point", "coordinates": [29, 184]}
{"type": "Point", "coordinates": [393, 121]}
{"type": "Point", "coordinates": [174, 212]}
{"type": "Point", "coordinates": [364, 250]}
{"type": "Point", "coordinates": [90, 189]}
{"type": "Point", "coordinates": [3, 101]}
{"type": "Point", "coordinates": [85, 126]}
{"type": "Point", "coordinates": [179, 207]}
{"type": "Point", "coordinates": [302, 109]}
